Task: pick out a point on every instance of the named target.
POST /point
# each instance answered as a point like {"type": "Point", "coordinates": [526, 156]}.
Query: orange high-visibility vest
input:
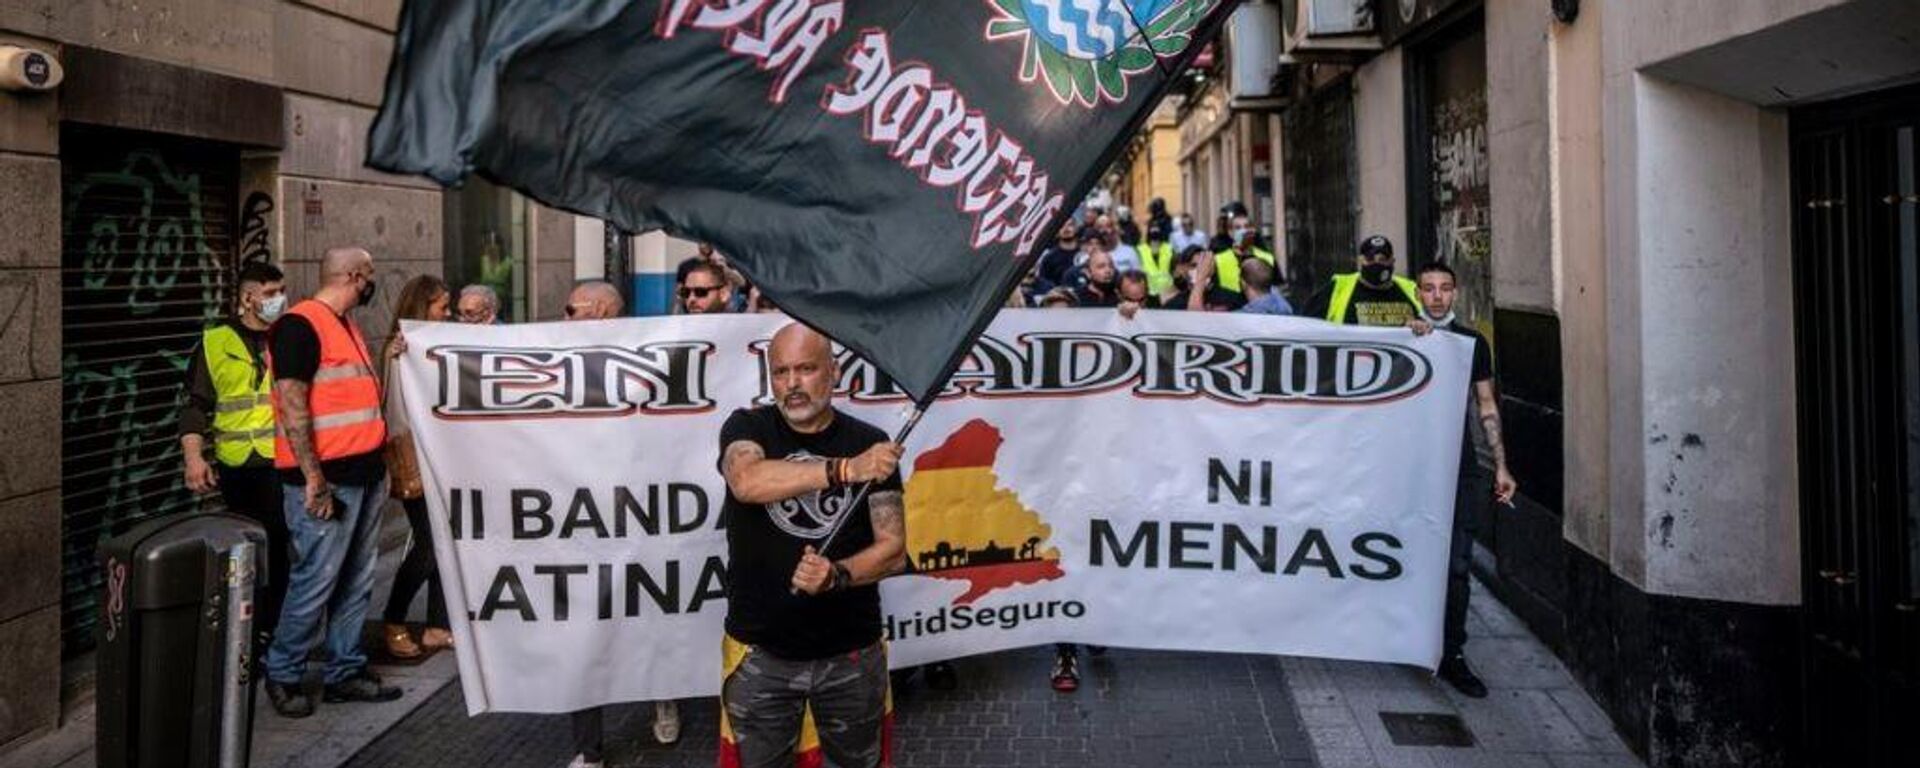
{"type": "Point", "coordinates": [344, 398]}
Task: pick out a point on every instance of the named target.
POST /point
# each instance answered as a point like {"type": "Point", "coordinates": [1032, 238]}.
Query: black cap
{"type": "Point", "coordinates": [1376, 246]}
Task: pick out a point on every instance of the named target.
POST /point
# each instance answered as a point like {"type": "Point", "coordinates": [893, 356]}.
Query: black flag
{"type": "Point", "coordinates": [884, 170]}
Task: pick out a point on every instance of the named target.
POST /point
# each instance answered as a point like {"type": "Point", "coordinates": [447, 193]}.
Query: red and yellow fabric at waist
{"type": "Point", "coordinates": [806, 753]}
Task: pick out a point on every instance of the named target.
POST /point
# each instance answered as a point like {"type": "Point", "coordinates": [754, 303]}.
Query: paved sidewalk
{"type": "Point", "coordinates": [1535, 717]}
{"type": "Point", "coordinates": [332, 735]}
{"type": "Point", "coordinates": [1134, 708]}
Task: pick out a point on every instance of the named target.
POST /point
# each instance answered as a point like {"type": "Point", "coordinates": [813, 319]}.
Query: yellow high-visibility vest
{"type": "Point", "coordinates": [1226, 267]}
{"type": "Point", "coordinates": [1158, 264]}
{"type": "Point", "coordinates": [243, 392]}
{"type": "Point", "coordinates": [1343, 294]}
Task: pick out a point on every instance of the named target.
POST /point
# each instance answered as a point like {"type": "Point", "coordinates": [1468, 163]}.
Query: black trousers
{"type": "Point", "coordinates": [254, 493]}
{"type": "Point", "coordinates": [1470, 500]}
{"type": "Point", "coordinates": [590, 732]}
{"type": "Point", "coordinates": [418, 569]}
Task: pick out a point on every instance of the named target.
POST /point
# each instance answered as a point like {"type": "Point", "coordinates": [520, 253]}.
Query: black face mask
{"type": "Point", "coordinates": [366, 292]}
{"type": "Point", "coordinates": [1376, 275]}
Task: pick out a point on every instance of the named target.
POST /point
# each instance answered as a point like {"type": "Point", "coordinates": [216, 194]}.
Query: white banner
{"type": "Point", "coordinates": [1179, 481]}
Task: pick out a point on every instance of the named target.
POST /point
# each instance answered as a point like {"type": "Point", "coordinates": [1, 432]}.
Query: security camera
{"type": "Point", "coordinates": [26, 69]}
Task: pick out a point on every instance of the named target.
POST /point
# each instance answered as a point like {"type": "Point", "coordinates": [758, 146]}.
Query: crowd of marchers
{"type": "Point", "coordinates": [297, 424]}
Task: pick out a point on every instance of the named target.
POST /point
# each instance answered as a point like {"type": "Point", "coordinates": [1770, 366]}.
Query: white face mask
{"type": "Point", "coordinates": [1446, 319]}
{"type": "Point", "coordinates": [272, 309]}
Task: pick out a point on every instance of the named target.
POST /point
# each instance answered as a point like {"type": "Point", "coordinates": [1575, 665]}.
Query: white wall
{"type": "Point", "coordinates": [1517, 139]}
{"type": "Point", "coordinates": [1718, 432]}
{"type": "Point", "coordinates": [1381, 145]}
{"type": "Point", "coordinates": [1579, 261]}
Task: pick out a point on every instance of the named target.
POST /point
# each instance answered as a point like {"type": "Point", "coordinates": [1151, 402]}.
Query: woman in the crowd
{"type": "Point", "coordinates": [422, 298]}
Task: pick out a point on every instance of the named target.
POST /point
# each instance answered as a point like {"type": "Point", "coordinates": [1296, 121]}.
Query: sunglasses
{"type": "Point", "coordinates": [697, 291]}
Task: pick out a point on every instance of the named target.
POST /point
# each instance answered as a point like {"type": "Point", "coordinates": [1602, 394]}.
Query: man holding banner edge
{"type": "Point", "coordinates": [803, 632]}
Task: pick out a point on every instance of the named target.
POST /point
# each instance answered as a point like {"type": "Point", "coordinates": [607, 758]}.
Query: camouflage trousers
{"type": "Point", "coordinates": [843, 698]}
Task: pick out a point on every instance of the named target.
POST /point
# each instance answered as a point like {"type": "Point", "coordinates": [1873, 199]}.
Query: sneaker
{"type": "Point", "coordinates": [666, 721]}
{"type": "Point", "coordinates": [289, 700]}
{"type": "Point", "coordinates": [581, 761]}
{"type": "Point", "coordinates": [1066, 674]}
{"type": "Point", "coordinates": [941, 677]}
{"type": "Point", "coordinates": [363, 686]}
{"type": "Point", "coordinates": [1455, 671]}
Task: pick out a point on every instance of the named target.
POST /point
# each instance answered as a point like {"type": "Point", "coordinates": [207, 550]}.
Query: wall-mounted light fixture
{"type": "Point", "coordinates": [28, 69]}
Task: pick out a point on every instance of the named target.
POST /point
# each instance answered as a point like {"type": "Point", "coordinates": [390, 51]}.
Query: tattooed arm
{"type": "Point", "coordinates": [755, 480]}
{"type": "Point", "coordinates": [1504, 485]}
{"type": "Point", "coordinates": [887, 555]}
{"type": "Point", "coordinates": [296, 420]}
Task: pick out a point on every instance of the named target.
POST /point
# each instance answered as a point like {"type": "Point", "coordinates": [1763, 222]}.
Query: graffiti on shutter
{"type": "Point", "coordinates": [146, 241]}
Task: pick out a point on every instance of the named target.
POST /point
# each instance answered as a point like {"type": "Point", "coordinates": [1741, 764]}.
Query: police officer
{"type": "Point", "coordinates": [229, 413]}
{"type": "Point", "coordinates": [1370, 295]}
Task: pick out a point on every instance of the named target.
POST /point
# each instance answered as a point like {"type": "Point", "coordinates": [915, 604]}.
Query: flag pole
{"type": "Point", "coordinates": [833, 531]}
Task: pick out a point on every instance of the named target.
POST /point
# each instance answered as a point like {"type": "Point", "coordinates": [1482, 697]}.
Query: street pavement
{"type": "Point", "coordinates": [1535, 716]}
{"type": "Point", "coordinates": [1133, 708]}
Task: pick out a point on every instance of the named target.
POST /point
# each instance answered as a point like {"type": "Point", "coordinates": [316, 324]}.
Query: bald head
{"type": "Point", "coordinates": [594, 300]}
{"type": "Point", "coordinates": [341, 263]}
{"type": "Point", "coordinates": [803, 372]}
{"type": "Point", "coordinates": [1256, 276]}
{"type": "Point", "coordinates": [798, 342]}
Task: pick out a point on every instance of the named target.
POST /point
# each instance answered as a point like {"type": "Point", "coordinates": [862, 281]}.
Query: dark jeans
{"type": "Point", "coordinates": [589, 731]}
{"type": "Point", "coordinates": [1470, 501]}
{"type": "Point", "coordinates": [254, 493]}
{"type": "Point", "coordinates": [766, 697]}
{"type": "Point", "coordinates": [419, 568]}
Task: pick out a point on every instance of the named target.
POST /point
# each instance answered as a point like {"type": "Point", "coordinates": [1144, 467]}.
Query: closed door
{"type": "Point", "coordinates": [1856, 197]}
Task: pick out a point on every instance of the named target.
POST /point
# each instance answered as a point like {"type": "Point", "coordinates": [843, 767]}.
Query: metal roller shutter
{"type": "Point", "coordinates": [147, 225]}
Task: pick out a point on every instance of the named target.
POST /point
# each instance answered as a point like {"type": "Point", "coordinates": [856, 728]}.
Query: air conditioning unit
{"type": "Point", "coordinates": [1328, 30]}
{"type": "Point", "coordinates": [1253, 42]}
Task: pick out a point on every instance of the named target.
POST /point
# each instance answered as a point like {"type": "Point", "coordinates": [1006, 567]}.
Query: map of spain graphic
{"type": "Point", "coordinates": [962, 525]}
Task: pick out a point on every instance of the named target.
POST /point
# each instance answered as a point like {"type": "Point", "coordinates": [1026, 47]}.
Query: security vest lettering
{"type": "Point", "coordinates": [1342, 297]}
{"type": "Point", "coordinates": [243, 392]}
{"type": "Point", "coordinates": [344, 398]}
{"type": "Point", "coordinates": [1226, 267]}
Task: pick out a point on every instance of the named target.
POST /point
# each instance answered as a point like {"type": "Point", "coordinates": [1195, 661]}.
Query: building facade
{"type": "Point", "coordinates": [1689, 228]}
{"type": "Point", "coordinates": [186, 139]}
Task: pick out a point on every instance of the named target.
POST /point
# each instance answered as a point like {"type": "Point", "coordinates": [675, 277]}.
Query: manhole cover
{"type": "Point", "coordinates": [1426, 729]}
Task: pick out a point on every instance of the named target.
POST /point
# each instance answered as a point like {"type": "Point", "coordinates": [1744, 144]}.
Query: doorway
{"type": "Point", "coordinates": [1856, 243]}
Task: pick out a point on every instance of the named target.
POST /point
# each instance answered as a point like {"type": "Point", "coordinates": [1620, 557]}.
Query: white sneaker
{"type": "Point", "coordinates": [580, 761]}
{"type": "Point", "coordinates": [666, 721]}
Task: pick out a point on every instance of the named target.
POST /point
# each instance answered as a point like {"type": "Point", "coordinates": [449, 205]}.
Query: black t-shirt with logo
{"type": "Point", "coordinates": [1387, 307]}
{"type": "Point", "coordinates": [764, 544]}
